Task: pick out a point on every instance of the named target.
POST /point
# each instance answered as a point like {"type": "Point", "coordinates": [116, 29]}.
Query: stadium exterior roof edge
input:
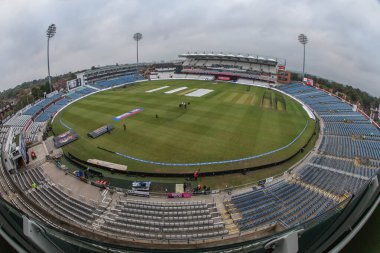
{"type": "Point", "coordinates": [249, 58]}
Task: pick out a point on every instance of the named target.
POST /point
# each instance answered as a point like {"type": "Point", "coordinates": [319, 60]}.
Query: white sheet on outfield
{"type": "Point", "coordinates": [175, 90]}
{"type": "Point", "coordinates": [199, 93]}
{"type": "Point", "coordinates": [161, 88]}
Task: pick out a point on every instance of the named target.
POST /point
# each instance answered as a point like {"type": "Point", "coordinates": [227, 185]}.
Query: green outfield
{"type": "Point", "coordinates": [231, 122]}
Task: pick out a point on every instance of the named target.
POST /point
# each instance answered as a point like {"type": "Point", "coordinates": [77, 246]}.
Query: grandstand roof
{"type": "Point", "coordinates": [232, 57]}
{"type": "Point", "coordinates": [109, 68]}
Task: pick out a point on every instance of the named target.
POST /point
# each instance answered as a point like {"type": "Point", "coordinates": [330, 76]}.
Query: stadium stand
{"type": "Point", "coordinates": [108, 72]}
{"type": "Point", "coordinates": [285, 202]}
{"type": "Point", "coordinates": [117, 81]}
{"type": "Point", "coordinates": [28, 177]}
{"type": "Point", "coordinates": [165, 220]}
{"type": "Point", "coordinates": [346, 165]}
{"type": "Point", "coordinates": [347, 157]}
{"type": "Point", "coordinates": [52, 198]}
{"type": "Point", "coordinates": [229, 65]}
{"type": "Point", "coordinates": [18, 120]}
{"type": "Point", "coordinates": [329, 177]}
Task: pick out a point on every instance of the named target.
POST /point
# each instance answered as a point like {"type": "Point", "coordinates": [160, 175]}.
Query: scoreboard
{"type": "Point", "coordinates": [72, 84]}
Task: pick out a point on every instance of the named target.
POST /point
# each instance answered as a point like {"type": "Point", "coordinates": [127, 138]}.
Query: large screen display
{"type": "Point", "coordinates": [74, 83]}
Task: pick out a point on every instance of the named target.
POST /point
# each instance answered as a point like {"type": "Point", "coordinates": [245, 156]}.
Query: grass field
{"type": "Point", "coordinates": [232, 122]}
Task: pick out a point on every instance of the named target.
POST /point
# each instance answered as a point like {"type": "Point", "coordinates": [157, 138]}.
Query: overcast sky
{"type": "Point", "coordinates": [344, 35]}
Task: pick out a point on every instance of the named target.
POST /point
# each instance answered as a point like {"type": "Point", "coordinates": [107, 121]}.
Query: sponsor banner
{"type": "Point", "coordinates": [128, 114]}
{"type": "Point", "coordinates": [179, 195]}
{"type": "Point", "coordinates": [224, 78]}
{"type": "Point", "coordinates": [308, 81]}
{"type": "Point", "coordinates": [269, 179]}
{"type": "Point", "coordinates": [63, 135]}
{"type": "Point", "coordinates": [65, 138]}
{"type": "Point", "coordinates": [186, 195]}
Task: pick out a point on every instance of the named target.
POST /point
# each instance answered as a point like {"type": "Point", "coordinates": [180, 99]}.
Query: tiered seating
{"type": "Point", "coordinates": [45, 116]}
{"type": "Point", "coordinates": [344, 165]}
{"type": "Point", "coordinates": [348, 129]}
{"type": "Point", "coordinates": [3, 132]}
{"type": "Point", "coordinates": [164, 220]}
{"type": "Point", "coordinates": [54, 108]}
{"type": "Point", "coordinates": [33, 110]}
{"type": "Point", "coordinates": [34, 127]}
{"type": "Point", "coordinates": [77, 93]}
{"type": "Point", "coordinates": [336, 113]}
{"type": "Point", "coordinates": [329, 181]}
{"type": "Point", "coordinates": [63, 102]}
{"type": "Point", "coordinates": [347, 147]}
{"type": "Point", "coordinates": [283, 202]}
{"type": "Point", "coordinates": [117, 81]}
{"type": "Point", "coordinates": [346, 134]}
{"type": "Point", "coordinates": [374, 163]}
{"type": "Point", "coordinates": [354, 118]}
{"type": "Point", "coordinates": [25, 179]}
{"type": "Point", "coordinates": [87, 90]}
{"type": "Point", "coordinates": [54, 199]}
{"type": "Point", "coordinates": [42, 104]}
{"type": "Point", "coordinates": [18, 120]}
{"type": "Point", "coordinates": [73, 95]}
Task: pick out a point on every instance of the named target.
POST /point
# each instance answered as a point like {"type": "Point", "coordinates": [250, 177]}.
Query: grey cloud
{"type": "Point", "coordinates": [343, 34]}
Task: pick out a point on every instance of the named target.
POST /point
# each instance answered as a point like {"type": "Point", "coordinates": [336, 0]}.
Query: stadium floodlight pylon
{"type": "Point", "coordinates": [137, 37]}
{"type": "Point", "coordinates": [50, 32]}
{"type": "Point", "coordinates": [302, 38]}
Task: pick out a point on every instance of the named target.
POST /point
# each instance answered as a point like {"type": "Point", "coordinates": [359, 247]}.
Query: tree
{"type": "Point", "coordinates": [36, 92]}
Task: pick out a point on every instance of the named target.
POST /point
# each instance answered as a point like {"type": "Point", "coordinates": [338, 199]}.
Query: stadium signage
{"type": "Point", "coordinates": [179, 195]}
{"type": "Point", "coordinates": [308, 81]}
{"type": "Point", "coordinates": [65, 138]}
{"type": "Point", "coordinates": [128, 114]}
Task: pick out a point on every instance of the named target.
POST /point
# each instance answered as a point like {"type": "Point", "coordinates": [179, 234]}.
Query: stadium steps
{"type": "Point", "coordinates": [98, 222]}
{"type": "Point", "coordinates": [355, 159]}
{"type": "Point", "coordinates": [105, 210]}
{"type": "Point", "coordinates": [338, 171]}
{"type": "Point", "coordinates": [344, 197]}
{"type": "Point", "coordinates": [93, 87]}
{"type": "Point", "coordinates": [358, 162]}
{"type": "Point", "coordinates": [317, 190]}
{"type": "Point", "coordinates": [232, 210]}
{"type": "Point", "coordinates": [227, 219]}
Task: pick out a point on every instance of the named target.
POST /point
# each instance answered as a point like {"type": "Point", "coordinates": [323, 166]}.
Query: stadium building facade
{"type": "Point", "coordinates": [228, 67]}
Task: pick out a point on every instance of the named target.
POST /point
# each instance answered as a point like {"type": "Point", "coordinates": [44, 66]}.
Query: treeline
{"type": "Point", "coordinates": [347, 92]}
{"type": "Point", "coordinates": [28, 92]}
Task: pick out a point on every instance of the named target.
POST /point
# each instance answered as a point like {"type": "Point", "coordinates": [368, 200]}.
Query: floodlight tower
{"type": "Point", "coordinates": [50, 34]}
{"type": "Point", "coordinates": [303, 40]}
{"type": "Point", "coordinates": [137, 37]}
